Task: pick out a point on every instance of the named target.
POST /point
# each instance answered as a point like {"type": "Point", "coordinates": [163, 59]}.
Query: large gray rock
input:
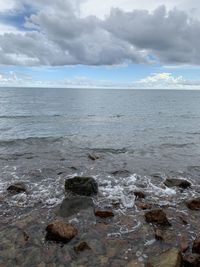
{"type": "Point", "coordinates": [170, 258]}
{"type": "Point", "coordinates": [71, 206]}
{"type": "Point", "coordinates": [83, 186]}
{"type": "Point", "coordinates": [177, 182]}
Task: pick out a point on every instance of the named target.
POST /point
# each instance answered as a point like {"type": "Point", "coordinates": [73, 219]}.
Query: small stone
{"type": "Point", "coordinates": [93, 156]}
{"type": "Point", "coordinates": [84, 186]}
{"type": "Point", "coordinates": [159, 235]}
{"type": "Point", "coordinates": [104, 213]}
{"type": "Point", "coordinates": [177, 182]}
{"type": "Point", "coordinates": [61, 232]}
{"type": "Point", "coordinates": [143, 206]}
{"type": "Point", "coordinates": [157, 216]}
{"type": "Point", "coordinates": [196, 246]}
{"type": "Point", "coordinates": [81, 247]}
{"type": "Point", "coordinates": [139, 194]}
{"type": "Point", "coordinates": [192, 260]}
{"type": "Point", "coordinates": [170, 258]}
{"type": "Point", "coordinates": [194, 204]}
{"type": "Point", "coordinates": [17, 188]}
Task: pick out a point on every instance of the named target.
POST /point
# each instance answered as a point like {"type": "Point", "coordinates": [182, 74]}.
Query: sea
{"type": "Point", "coordinates": [141, 137]}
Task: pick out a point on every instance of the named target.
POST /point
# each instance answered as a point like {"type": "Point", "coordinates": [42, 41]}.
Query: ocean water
{"type": "Point", "coordinates": [140, 136]}
{"type": "Point", "coordinates": [148, 133]}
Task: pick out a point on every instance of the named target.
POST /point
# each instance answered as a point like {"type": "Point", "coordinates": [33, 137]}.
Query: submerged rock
{"type": "Point", "coordinates": [157, 216]}
{"type": "Point", "coordinates": [139, 194]}
{"type": "Point", "coordinates": [177, 182]}
{"type": "Point", "coordinates": [184, 245]}
{"type": "Point", "coordinates": [169, 258]}
{"type": "Point", "coordinates": [123, 173]}
{"type": "Point", "coordinates": [143, 206]}
{"type": "Point", "coordinates": [191, 260]}
{"type": "Point", "coordinates": [84, 186]}
{"type": "Point", "coordinates": [61, 232]}
{"type": "Point", "coordinates": [159, 235]}
{"type": "Point", "coordinates": [93, 156]}
{"type": "Point", "coordinates": [196, 246]}
{"type": "Point", "coordinates": [17, 188]}
{"type": "Point", "coordinates": [194, 204]}
{"type": "Point", "coordinates": [81, 247]}
{"type": "Point", "coordinates": [71, 206]}
{"type": "Point", "coordinates": [103, 213]}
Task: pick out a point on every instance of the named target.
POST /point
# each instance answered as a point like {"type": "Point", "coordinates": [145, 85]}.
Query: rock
{"type": "Point", "coordinates": [123, 173]}
{"type": "Point", "coordinates": [157, 216]}
{"type": "Point", "coordinates": [177, 182]}
{"type": "Point", "coordinates": [196, 246]}
{"type": "Point", "coordinates": [191, 260]}
{"type": "Point", "coordinates": [134, 263]}
{"type": "Point", "coordinates": [103, 213]}
{"type": "Point", "coordinates": [84, 186]}
{"type": "Point", "coordinates": [183, 219]}
{"type": "Point", "coordinates": [159, 235]}
{"type": "Point", "coordinates": [194, 204]}
{"type": "Point", "coordinates": [61, 232]}
{"type": "Point", "coordinates": [139, 194]}
{"type": "Point", "coordinates": [184, 245]}
{"type": "Point", "coordinates": [143, 206]}
{"type": "Point", "coordinates": [93, 156]}
{"type": "Point", "coordinates": [71, 206]}
{"type": "Point", "coordinates": [81, 247]}
{"type": "Point", "coordinates": [17, 188]}
{"type": "Point", "coordinates": [169, 258]}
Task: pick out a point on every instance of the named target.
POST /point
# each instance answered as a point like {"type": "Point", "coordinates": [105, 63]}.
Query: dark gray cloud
{"type": "Point", "coordinates": [57, 35]}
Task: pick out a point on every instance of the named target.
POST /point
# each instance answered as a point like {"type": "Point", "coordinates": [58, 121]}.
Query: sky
{"type": "Point", "coordinates": [151, 44]}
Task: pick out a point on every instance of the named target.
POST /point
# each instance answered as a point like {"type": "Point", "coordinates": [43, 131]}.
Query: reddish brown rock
{"type": "Point", "coordinates": [81, 247]}
{"type": "Point", "coordinates": [143, 206]}
{"type": "Point", "coordinates": [61, 232]}
{"type": "Point", "coordinates": [196, 246]}
{"type": "Point", "coordinates": [157, 216]}
{"type": "Point", "coordinates": [194, 204]}
{"type": "Point", "coordinates": [104, 213]}
{"type": "Point", "coordinates": [139, 194]}
{"type": "Point", "coordinates": [191, 260]}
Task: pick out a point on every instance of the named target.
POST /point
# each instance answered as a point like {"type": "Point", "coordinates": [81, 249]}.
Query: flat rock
{"type": "Point", "coordinates": [191, 260]}
{"type": "Point", "coordinates": [84, 186]}
{"type": "Point", "coordinates": [194, 204]}
{"type": "Point", "coordinates": [139, 194]}
{"type": "Point", "coordinates": [71, 206]}
{"type": "Point", "coordinates": [169, 258]}
{"type": "Point", "coordinates": [82, 246]}
{"type": "Point", "coordinates": [61, 232]}
{"type": "Point", "coordinates": [17, 188]}
{"type": "Point", "coordinates": [103, 213]}
{"type": "Point", "coordinates": [177, 182]}
{"type": "Point", "coordinates": [196, 246]}
{"type": "Point", "coordinates": [157, 216]}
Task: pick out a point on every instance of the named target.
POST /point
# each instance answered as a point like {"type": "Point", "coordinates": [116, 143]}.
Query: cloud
{"type": "Point", "coordinates": [55, 34]}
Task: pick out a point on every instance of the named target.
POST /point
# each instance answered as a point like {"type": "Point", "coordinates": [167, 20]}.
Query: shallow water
{"type": "Point", "coordinates": [45, 137]}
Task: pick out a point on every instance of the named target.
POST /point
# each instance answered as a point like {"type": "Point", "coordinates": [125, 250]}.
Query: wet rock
{"type": "Point", "coordinates": [183, 219]}
{"type": "Point", "coordinates": [184, 245]}
{"type": "Point", "coordinates": [177, 182]}
{"type": "Point", "coordinates": [93, 156]}
{"type": "Point", "coordinates": [123, 173]}
{"type": "Point", "coordinates": [139, 194]}
{"type": "Point", "coordinates": [84, 186]}
{"type": "Point", "coordinates": [169, 258]}
{"type": "Point", "coordinates": [103, 213]}
{"type": "Point", "coordinates": [60, 232]}
{"type": "Point", "coordinates": [71, 206]}
{"type": "Point", "coordinates": [143, 206]}
{"type": "Point", "coordinates": [81, 247]}
{"type": "Point", "coordinates": [196, 246]}
{"type": "Point", "coordinates": [159, 235]}
{"type": "Point", "coordinates": [17, 188]}
{"type": "Point", "coordinates": [157, 216]}
{"type": "Point", "coordinates": [194, 204]}
{"type": "Point", "coordinates": [191, 260]}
